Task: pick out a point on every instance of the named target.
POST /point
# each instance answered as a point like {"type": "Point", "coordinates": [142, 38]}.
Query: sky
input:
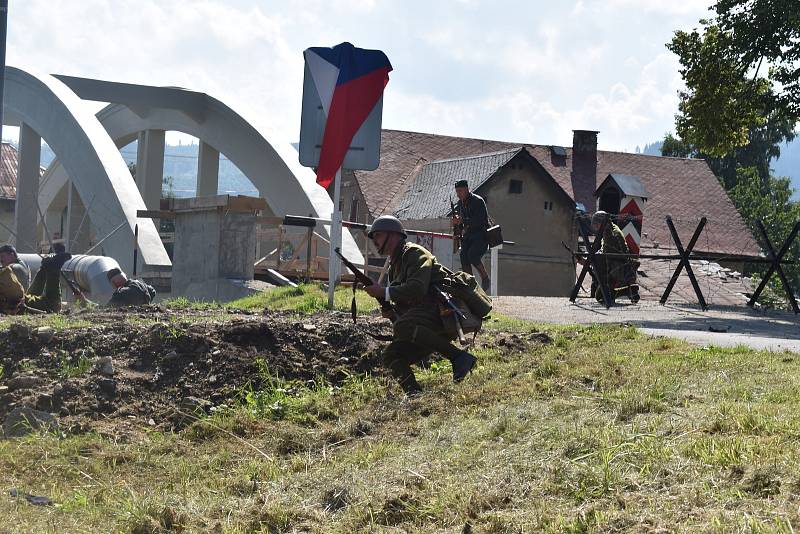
{"type": "Point", "coordinates": [521, 71]}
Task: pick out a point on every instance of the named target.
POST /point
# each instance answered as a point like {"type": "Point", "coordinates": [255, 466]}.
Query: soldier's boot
{"type": "Point", "coordinates": [410, 385]}
{"type": "Point", "coordinates": [462, 365]}
{"type": "Point", "coordinates": [462, 361]}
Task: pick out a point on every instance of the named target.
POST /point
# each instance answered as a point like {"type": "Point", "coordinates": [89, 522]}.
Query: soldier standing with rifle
{"type": "Point", "coordinates": [473, 217]}
{"type": "Point", "coordinates": [418, 330]}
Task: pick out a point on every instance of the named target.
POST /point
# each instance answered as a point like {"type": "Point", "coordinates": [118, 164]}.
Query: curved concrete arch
{"type": "Point", "coordinates": [87, 154]}
{"type": "Point", "coordinates": [286, 190]}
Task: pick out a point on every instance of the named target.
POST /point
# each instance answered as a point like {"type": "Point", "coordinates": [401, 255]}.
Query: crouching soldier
{"type": "Point", "coordinates": [44, 293]}
{"type": "Point", "coordinates": [613, 272]}
{"type": "Point", "coordinates": [129, 292]}
{"type": "Point", "coordinates": [418, 327]}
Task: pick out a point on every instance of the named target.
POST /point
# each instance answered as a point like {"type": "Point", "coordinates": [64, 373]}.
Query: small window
{"type": "Point", "coordinates": [515, 187]}
{"type": "Point", "coordinates": [354, 210]}
{"type": "Point", "coordinates": [548, 205]}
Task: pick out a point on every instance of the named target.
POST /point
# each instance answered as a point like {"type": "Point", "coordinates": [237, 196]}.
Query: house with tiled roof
{"type": "Point", "coordinates": [532, 191]}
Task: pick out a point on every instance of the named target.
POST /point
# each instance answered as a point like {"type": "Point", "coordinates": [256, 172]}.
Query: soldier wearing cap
{"type": "Point", "coordinates": [471, 212]}
{"type": "Point", "coordinates": [418, 330]}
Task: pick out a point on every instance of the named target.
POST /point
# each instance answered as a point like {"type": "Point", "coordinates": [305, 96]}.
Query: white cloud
{"type": "Point", "coordinates": [513, 70]}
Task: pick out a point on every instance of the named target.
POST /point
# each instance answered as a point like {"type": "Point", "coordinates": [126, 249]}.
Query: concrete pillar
{"type": "Point", "coordinates": [77, 226]}
{"type": "Point", "coordinates": [207, 170]}
{"type": "Point", "coordinates": [214, 247]}
{"type": "Point", "coordinates": [26, 215]}
{"type": "Point", "coordinates": [150, 167]}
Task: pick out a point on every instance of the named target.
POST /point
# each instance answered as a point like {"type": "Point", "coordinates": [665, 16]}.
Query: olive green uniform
{"type": "Point", "coordinates": [418, 329]}
{"type": "Point", "coordinates": [612, 270]}
{"type": "Point", "coordinates": [44, 294]}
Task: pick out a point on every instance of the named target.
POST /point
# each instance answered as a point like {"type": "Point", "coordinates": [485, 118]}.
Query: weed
{"type": "Point", "coordinates": [76, 364]}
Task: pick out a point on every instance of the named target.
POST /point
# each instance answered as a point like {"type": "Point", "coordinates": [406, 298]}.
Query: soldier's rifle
{"type": "Point", "coordinates": [575, 255]}
{"type": "Point", "coordinates": [458, 315]}
{"type": "Point", "coordinates": [386, 308]}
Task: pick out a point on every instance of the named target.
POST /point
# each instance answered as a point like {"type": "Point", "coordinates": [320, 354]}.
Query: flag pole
{"type": "Point", "coordinates": [336, 237]}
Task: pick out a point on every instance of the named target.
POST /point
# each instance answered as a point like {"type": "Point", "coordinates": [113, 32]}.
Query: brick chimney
{"type": "Point", "coordinates": [584, 167]}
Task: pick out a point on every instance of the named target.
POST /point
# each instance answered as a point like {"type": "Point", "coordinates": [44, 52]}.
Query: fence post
{"type": "Point", "coordinates": [280, 246]}
{"type": "Point", "coordinates": [495, 267]}
{"type": "Point", "coordinates": [308, 253]}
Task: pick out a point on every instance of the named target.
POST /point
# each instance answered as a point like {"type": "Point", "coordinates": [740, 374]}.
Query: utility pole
{"type": "Point", "coordinates": [3, 28]}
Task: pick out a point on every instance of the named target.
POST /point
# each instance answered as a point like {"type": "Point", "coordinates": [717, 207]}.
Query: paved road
{"type": "Point", "coordinates": [722, 326]}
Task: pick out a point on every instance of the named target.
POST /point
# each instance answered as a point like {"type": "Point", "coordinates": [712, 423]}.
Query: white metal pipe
{"type": "Point", "coordinates": [89, 272]}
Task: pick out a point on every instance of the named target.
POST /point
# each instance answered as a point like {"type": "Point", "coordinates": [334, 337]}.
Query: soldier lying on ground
{"type": "Point", "coordinates": [418, 330]}
{"type": "Point", "coordinates": [127, 292]}
{"type": "Point", "coordinates": [43, 295]}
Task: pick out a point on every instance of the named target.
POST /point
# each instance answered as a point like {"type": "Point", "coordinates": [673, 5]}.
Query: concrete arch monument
{"type": "Point", "coordinates": [147, 112]}
{"type": "Point", "coordinates": [45, 108]}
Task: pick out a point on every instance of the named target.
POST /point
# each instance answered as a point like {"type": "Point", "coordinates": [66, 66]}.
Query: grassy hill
{"type": "Point", "coordinates": [560, 429]}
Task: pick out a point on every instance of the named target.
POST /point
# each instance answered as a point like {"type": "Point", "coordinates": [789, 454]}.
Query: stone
{"type": "Point", "coordinates": [23, 382]}
{"type": "Point", "coordinates": [23, 421]}
{"type": "Point", "coordinates": [108, 386]}
{"type": "Point", "coordinates": [20, 330]}
{"type": "Point", "coordinates": [44, 334]}
{"type": "Point", "coordinates": [308, 327]}
{"type": "Point", "coordinates": [44, 402]}
{"type": "Point", "coordinates": [171, 357]}
{"type": "Point", "coordinates": [194, 405]}
{"type": "Point", "coordinates": [104, 366]}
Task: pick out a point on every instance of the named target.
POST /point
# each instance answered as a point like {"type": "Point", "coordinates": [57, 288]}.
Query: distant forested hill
{"type": "Point", "coordinates": [180, 162]}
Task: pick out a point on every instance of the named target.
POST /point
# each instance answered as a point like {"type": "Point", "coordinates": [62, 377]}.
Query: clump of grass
{"type": "Point", "coordinates": [184, 303]}
{"type": "Point", "coordinates": [75, 364]}
{"type": "Point", "coordinates": [310, 402]}
{"type": "Point", "coordinates": [305, 298]}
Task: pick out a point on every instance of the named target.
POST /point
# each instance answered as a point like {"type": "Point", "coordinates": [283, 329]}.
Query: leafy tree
{"type": "Point", "coordinates": [731, 100]}
{"type": "Point", "coordinates": [772, 205]}
{"type": "Point", "coordinates": [742, 100]}
{"type": "Point", "coordinates": [677, 148]}
{"type": "Point", "coordinates": [767, 31]}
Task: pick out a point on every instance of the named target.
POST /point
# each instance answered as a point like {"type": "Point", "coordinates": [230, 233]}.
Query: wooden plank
{"type": "Point", "coordinates": [271, 221]}
{"type": "Point", "coordinates": [155, 214]}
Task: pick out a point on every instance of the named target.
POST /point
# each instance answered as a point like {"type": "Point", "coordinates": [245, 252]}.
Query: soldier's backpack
{"type": "Point", "coordinates": [465, 287]}
{"type": "Point", "coordinates": [11, 291]}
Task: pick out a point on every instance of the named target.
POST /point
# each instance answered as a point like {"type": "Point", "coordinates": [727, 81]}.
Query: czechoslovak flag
{"type": "Point", "coordinates": [350, 81]}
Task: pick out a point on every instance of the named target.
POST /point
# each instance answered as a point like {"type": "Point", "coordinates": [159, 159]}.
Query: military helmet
{"type": "Point", "coordinates": [599, 217]}
{"type": "Point", "coordinates": [387, 223]}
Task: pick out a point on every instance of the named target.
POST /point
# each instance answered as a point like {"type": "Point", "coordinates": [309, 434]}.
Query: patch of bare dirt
{"type": "Point", "coordinates": [119, 370]}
